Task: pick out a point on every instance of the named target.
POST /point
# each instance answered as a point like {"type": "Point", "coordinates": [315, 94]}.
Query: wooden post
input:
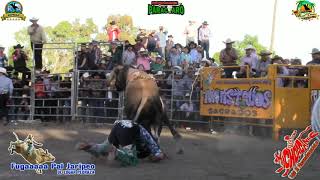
{"type": "Point", "coordinates": [273, 24]}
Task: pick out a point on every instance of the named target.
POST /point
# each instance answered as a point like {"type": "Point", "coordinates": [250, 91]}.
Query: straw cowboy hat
{"type": "Point", "coordinates": [34, 19]}
{"type": "Point", "coordinates": [3, 70]}
{"type": "Point", "coordinates": [265, 53]}
{"type": "Point", "coordinates": [249, 47]}
{"type": "Point", "coordinates": [315, 51]}
{"type": "Point", "coordinates": [228, 41]}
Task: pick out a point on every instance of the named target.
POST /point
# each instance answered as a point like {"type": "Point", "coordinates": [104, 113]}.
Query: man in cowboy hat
{"type": "Point", "coordinates": [204, 35]}
{"type": "Point", "coordinates": [228, 57]}
{"type": "Point", "coordinates": [20, 62]}
{"type": "Point", "coordinates": [37, 38]}
{"type": "Point", "coordinates": [249, 59]}
{"type": "Point", "coordinates": [263, 63]}
{"type": "Point", "coordinates": [128, 56]}
{"type": "Point", "coordinates": [3, 57]}
{"type": "Point", "coordinates": [315, 57]}
{"type": "Point", "coordinates": [190, 32]}
{"type": "Point", "coordinates": [113, 32]}
{"type": "Point", "coordinates": [162, 40]}
{"type": "Point", "coordinates": [6, 89]}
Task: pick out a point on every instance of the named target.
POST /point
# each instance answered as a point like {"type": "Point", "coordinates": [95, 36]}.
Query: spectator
{"type": "Point", "coordinates": [19, 62]}
{"type": "Point", "coordinates": [263, 63]}
{"type": "Point", "coordinates": [38, 38]}
{"type": "Point", "coordinates": [228, 57]}
{"type": "Point", "coordinates": [144, 60]}
{"type": "Point", "coordinates": [169, 45]}
{"type": "Point", "coordinates": [157, 65]}
{"type": "Point", "coordinates": [3, 57]}
{"type": "Point", "coordinates": [113, 32]}
{"type": "Point", "coordinates": [91, 57]}
{"type": "Point", "coordinates": [187, 107]}
{"type": "Point", "coordinates": [190, 32]}
{"type": "Point", "coordinates": [40, 94]}
{"type": "Point", "coordinates": [193, 53]}
{"type": "Point", "coordinates": [65, 94]}
{"type": "Point", "coordinates": [128, 56]}
{"type": "Point", "coordinates": [97, 89]}
{"type": "Point", "coordinates": [142, 33]}
{"type": "Point", "coordinates": [298, 71]}
{"type": "Point", "coordinates": [174, 57]}
{"type": "Point", "coordinates": [199, 55]}
{"type": "Point", "coordinates": [84, 95]}
{"type": "Point", "coordinates": [281, 71]}
{"type": "Point", "coordinates": [286, 61]}
{"type": "Point", "coordinates": [138, 46]}
{"type": "Point", "coordinates": [185, 58]}
{"type": "Point", "coordinates": [160, 79]}
{"type": "Point", "coordinates": [162, 40]}
{"type": "Point", "coordinates": [6, 89]}
{"type": "Point", "coordinates": [205, 63]}
{"type": "Point", "coordinates": [249, 59]}
{"type": "Point", "coordinates": [126, 44]}
{"type": "Point", "coordinates": [82, 58]}
{"type": "Point", "coordinates": [97, 52]}
{"type": "Point", "coordinates": [315, 57]}
{"type": "Point", "coordinates": [204, 35]}
{"type": "Point", "coordinates": [116, 54]}
{"type": "Point", "coordinates": [153, 42]}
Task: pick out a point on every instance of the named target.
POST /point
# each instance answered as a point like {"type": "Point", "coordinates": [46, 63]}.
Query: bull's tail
{"type": "Point", "coordinates": [140, 107]}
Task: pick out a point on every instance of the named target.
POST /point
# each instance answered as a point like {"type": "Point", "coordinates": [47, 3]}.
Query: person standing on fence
{"type": "Point", "coordinates": [113, 32]}
{"type": "Point", "coordinates": [19, 62]}
{"type": "Point", "coordinates": [38, 38]}
{"type": "Point", "coordinates": [3, 57]}
{"type": "Point", "coordinates": [190, 32]}
{"type": "Point", "coordinates": [204, 35]}
{"type": "Point", "coordinates": [162, 40]}
{"type": "Point", "coordinates": [6, 90]}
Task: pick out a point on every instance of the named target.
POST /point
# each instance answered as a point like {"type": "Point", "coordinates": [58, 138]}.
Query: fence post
{"type": "Point", "coordinates": [171, 104]}
{"type": "Point", "coordinates": [32, 90]}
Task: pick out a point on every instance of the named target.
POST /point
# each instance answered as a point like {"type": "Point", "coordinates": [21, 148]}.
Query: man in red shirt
{"type": "Point", "coordinates": [113, 31]}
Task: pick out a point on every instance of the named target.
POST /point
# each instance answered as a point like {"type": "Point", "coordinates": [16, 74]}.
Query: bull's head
{"type": "Point", "coordinates": [17, 146]}
{"type": "Point", "coordinates": [47, 157]}
{"type": "Point", "coordinates": [118, 78]}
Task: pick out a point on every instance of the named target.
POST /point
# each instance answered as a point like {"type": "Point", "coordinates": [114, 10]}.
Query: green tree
{"type": "Point", "coordinates": [241, 45]}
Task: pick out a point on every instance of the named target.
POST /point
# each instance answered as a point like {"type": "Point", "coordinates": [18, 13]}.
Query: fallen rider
{"type": "Point", "coordinates": [126, 143]}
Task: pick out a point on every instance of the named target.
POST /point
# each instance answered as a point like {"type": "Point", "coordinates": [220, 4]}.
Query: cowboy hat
{"type": "Point", "coordinates": [18, 46]}
{"type": "Point", "coordinates": [143, 50]}
{"type": "Point", "coordinates": [24, 96]}
{"type": "Point", "coordinates": [103, 62]}
{"type": "Point", "coordinates": [187, 95]}
{"type": "Point", "coordinates": [69, 75]}
{"type": "Point", "coordinates": [205, 23]}
{"type": "Point", "coordinates": [277, 57]}
{"type": "Point", "coordinates": [206, 61]}
{"type": "Point", "coordinates": [34, 19]}
{"type": "Point", "coordinates": [159, 73]}
{"type": "Point", "coordinates": [228, 41]}
{"type": "Point", "coordinates": [315, 51]}
{"type": "Point", "coordinates": [170, 36]}
{"type": "Point", "coordinates": [113, 22]}
{"type": "Point", "coordinates": [3, 70]}
{"type": "Point", "coordinates": [249, 47]}
{"type": "Point", "coordinates": [86, 75]}
{"type": "Point", "coordinates": [95, 43]}
{"type": "Point", "coordinates": [265, 53]}
{"type": "Point", "coordinates": [1, 46]}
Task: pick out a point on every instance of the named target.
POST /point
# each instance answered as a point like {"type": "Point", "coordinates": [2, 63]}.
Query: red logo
{"type": "Point", "coordinates": [293, 157]}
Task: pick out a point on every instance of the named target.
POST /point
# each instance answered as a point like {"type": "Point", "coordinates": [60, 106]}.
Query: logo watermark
{"type": "Point", "coordinates": [305, 10]}
{"type": "Point", "coordinates": [166, 7]}
{"type": "Point", "coordinates": [13, 11]}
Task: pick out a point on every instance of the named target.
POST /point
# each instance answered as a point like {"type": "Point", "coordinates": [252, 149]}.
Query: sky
{"type": "Point", "coordinates": [227, 19]}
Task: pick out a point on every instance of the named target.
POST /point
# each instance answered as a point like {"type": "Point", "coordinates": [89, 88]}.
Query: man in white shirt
{"type": "Point", "coordinates": [190, 32]}
{"type": "Point", "coordinates": [204, 35]}
{"type": "Point", "coordinates": [250, 58]}
{"type": "Point", "coordinates": [37, 38]}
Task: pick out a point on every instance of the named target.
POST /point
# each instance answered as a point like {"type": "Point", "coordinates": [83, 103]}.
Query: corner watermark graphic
{"type": "Point", "coordinates": [13, 11]}
{"type": "Point", "coordinates": [166, 7]}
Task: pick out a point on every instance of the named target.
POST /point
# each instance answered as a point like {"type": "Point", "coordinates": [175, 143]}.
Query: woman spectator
{"type": "Point", "coordinates": [3, 57]}
{"type": "Point", "coordinates": [19, 62]}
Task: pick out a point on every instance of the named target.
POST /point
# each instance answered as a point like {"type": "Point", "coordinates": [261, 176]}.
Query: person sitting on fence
{"type": "Point", "coordinates": [157, 64]}
{"type": "Point", "coordinates": [250, 58]}
{"type": "Point", "coordinates": [20, 62]}
{"type": "Point", "coordinates": [3, 57]}
{"type": "Point", "coordinates": [281, 71]}
{"type": "Point", "coordinates": [126, 143]}
{"type": "Point", "coordinates": [263, 63]}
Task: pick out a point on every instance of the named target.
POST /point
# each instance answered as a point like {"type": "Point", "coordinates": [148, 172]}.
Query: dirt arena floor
{"type": "Point", "coordinates": [206, 156]}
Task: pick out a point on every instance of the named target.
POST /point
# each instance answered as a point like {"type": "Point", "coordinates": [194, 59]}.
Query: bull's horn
{"type": "Point", "coordinates": [15, 135]}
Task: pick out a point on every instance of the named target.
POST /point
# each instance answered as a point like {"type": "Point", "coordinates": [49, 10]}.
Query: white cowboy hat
{"type": "Point", "coordinates": [228, 41]}
{"type": "Point", "coordinates": [34, 19]}
{"type": "Point", "coordinates": [159, 73]}
{"type": "Point", "coordinates": [3, 70]}
{"type": "Point", "coordinates": [85, 75]}
{"type": "Point", "coordinates": [187, 95]}
{"type": "Point", "coordinates": [249, 47]}
{"type": "Point", "coordinates": [142, 50]}
{"type": "Point", "coordinates": [315, 51]}
{"type": "Point", "coordinates": [206, 60]}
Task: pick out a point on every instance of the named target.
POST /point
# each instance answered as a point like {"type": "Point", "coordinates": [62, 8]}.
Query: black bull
{"type": "Point", "coordinates": [143, 103]}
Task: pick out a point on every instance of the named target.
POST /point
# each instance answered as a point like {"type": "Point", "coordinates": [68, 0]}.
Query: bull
{"type": "Point", "coordinates": [143, 103]}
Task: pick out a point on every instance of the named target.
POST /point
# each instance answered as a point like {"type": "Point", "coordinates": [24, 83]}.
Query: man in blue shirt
{"type": "Point", "coordinates": [6, 89]}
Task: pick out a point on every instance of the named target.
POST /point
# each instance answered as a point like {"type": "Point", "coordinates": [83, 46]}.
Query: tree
{"type": "Point", "coordinates": [241, 45]}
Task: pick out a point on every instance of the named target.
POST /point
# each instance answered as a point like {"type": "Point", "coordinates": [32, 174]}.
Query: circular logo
{"type": "Point", "coordinates": [14, 7]}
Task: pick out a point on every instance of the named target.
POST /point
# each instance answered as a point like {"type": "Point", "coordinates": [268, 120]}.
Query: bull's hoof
{"type": "Point", "coordinates": [180, 151]}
